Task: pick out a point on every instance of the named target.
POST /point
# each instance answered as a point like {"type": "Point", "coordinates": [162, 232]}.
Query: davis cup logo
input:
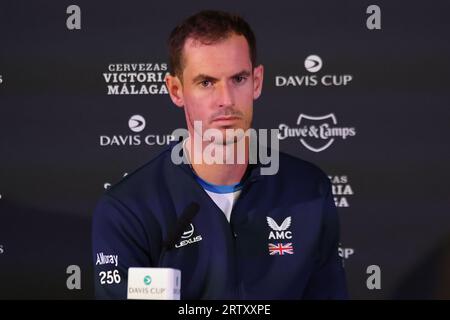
{"type": "Point", "coordinates": [136, 123]}
{"type": "Point", "coordinates": [313, 63]}
{"type": "Point", "coordinates": [147, 280]}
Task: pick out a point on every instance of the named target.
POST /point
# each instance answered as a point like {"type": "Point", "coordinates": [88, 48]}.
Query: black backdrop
{"type": "Point", "coordinates": [60, 119]}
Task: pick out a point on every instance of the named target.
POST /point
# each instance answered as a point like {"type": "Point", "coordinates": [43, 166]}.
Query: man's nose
{"type": "Point", "coordinates": [225, 96]}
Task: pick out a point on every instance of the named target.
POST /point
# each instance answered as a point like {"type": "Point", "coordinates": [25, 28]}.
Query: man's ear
{"type": "Point", "coordinates": [258, 76]}
{"type": "Point", "coordinates": [175, 88]}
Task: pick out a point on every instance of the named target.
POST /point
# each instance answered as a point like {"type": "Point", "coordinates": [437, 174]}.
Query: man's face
{"type": "Point", "coordinates": [218, 85]}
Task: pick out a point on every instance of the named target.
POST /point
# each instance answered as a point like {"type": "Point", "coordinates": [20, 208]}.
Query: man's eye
{"type": "Point", "coordinates": [205, 83]}
{"type": "Point", "coordinates": [239, 79]}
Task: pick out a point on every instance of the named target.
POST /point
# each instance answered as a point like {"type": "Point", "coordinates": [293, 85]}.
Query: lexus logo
{"type": "Point", "coordinates": [188, 233]}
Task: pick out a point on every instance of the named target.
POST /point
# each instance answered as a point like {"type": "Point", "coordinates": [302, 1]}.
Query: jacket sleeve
{"type": "Point", "coordinates": [119, 241]}
{"type": "Point", "coordinates": [328, 280]}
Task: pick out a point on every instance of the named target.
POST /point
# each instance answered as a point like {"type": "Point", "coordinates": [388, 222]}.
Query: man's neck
{"type": "Point", "coordinates": [217, 173]}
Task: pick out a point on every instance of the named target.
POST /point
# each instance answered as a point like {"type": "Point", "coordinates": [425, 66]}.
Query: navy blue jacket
{"type": "Point", "coordinates": [247, 258]}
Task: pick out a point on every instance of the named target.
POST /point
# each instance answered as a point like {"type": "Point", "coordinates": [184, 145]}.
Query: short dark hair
{"type": "Point", "coordinates": [208, 27]}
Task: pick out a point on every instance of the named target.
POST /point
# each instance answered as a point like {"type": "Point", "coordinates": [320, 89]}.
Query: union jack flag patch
{"type": "Point", "coordinates": [281, 249]}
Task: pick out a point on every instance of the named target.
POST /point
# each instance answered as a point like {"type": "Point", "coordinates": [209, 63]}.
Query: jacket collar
{"type": "Point", "coordinates": [252, 174]}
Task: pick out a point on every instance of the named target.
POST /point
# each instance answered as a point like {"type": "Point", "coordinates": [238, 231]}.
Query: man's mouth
{"type": "Point", "coordinates": [226, 118]}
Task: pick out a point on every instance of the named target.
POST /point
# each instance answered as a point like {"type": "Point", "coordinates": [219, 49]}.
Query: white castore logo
{"type": "Point", "coordinates": [280, 232]}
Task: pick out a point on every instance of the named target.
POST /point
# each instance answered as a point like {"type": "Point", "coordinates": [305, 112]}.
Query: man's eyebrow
{"type": "Point", "coordinates": [243, 73]}
{"type": "Point", "coordinates": [202, 77]}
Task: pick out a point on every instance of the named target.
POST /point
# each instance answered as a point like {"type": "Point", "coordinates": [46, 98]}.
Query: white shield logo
{"type": "Point", "coordinates": [314, 136]}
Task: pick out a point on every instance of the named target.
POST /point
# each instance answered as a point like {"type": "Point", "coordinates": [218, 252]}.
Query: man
{"type": "Point", "coordinates": [233, 232]}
